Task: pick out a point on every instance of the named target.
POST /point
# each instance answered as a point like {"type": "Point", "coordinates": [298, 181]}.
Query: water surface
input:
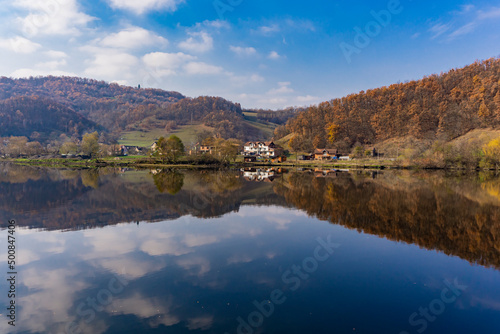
{"type": "Point", "coordinates": [270, 251]}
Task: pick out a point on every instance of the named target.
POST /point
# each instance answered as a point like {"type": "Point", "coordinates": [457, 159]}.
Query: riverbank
{"type": "Point", "coordinates": [146, 162]}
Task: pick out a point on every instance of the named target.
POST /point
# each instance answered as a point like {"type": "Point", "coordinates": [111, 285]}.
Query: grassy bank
{"type": "Point", "coordinates": [203, 162]}
{"type": "Point", "coordinates": [146, 162]}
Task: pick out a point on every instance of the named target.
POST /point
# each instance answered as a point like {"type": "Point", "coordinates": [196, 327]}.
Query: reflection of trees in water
{"type": "Point", "coordinates": [90, 178]}
{"type": "Point", "coordinates": [18, 174]}
{"type": "Point", "coordinates": [430, 214]}
{"type": "Point", "coordinates": [40, 192]}
{"type": "Point", "coordinates": [168, 180]}
{"type": "Point", "coordinates": [209, 193]}
{"type": "Point", "coordinates": [457, 215]}
{"type": "Point", "coordinates": [492, 188]}
{"type": "Point", "coordinates": [62, 199]}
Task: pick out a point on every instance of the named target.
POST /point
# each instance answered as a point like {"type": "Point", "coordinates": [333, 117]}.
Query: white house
{"type": "Point", "coordinates": [264, 149]}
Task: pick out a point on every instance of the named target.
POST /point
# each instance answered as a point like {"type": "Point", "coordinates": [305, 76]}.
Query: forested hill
{"type": "Point", "coordinates": [438, 107]}
{"type": "Point", "coordinates": [68, 105]}
{"type": "Point", "coordinates": [99, 101]}
{"type": "Point", "coordinates": [81, 92]}
{"type": "Point", "coordinates": [39, 118]}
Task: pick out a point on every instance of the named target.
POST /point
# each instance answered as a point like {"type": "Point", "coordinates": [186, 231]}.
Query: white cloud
{"type": "Point", "coordinates": [202, 68]}
{"type": "Point", "coordinates": [283, 88]}
{"type": "Point", "coordinates": [464, 9]}
{"type": "Point", "coordinates": [266, 30]}
{"type": "Point", "coordinates": [199, 42]}
{"type": "Point", "coordinates": [280, 97]}
{"type": "Point", "coordinates": [166, 64]}
{"type": "Point", "coordinates": [111, 65]}
{"type": "Point", "coordinates": [257, 78]}
{"type": "Point", "coordinates": [438, 29]}
{"type": "Point", "coordinates": [307, 99]}
{"type": "Point", "coordinates": [479, 16]}
{"type": "Point", "coordinates": [55, 54]}
{"type": "Point", "coordinates": [242, 80]}
{"type": "Point", "coordinates": [217, 24]}
{"type": "Point", "coordinates": [61, 17]}
{"type": "Point", "coordinates": [493, 13]}
{"type": "Point", "coordinates": [142, 6]}
{"type": "Point", "coordinates": [241, 51]}
{"type": "Point", "coordinates": [301, 25]}
{"type": "Point", "coordinates": [51, 65]}
{"type": "Point", "coordinates": [29, 72]}
{"type": "Point", "coordinates": [277, 101]}
{"type": "Point", "coordinates": [19, 45]}
{"type": "Point", "coordinates": [274, 55]}
{"type": "Point", "coordinates": [468, 18]}
{"type": "Point", "coordinates": [132, 38]}
{"type": "Point", "coordinates": [463, 30]}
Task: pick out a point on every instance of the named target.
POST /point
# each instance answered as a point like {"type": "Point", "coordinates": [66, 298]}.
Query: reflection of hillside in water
{"type": "Point", "coordinates": [459, 215]}
{"type": "Point", "coordinates": [62, 199]}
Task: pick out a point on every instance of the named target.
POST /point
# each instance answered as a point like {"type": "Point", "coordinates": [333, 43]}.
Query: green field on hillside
{"type": "Point", "coordinates": [141, 138]}
{"type": "Point", "coordinates": [267, 129]}
{"type": "Point", "coordinates": [187, 133]}
{"type": "Point", "coordinates": [283, 142]}
{"type": "Point", "coordinates": [250, 116]}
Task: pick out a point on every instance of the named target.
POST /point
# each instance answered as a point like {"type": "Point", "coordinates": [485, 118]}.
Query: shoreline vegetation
{"type": "Point", "coordinates": [151, 162]}
{"type": "Point", "coordinates": [478, 150]}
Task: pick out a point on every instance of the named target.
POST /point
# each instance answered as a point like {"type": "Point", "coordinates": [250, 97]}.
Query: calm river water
{"type": "Point", "coordinates": [249, 251]}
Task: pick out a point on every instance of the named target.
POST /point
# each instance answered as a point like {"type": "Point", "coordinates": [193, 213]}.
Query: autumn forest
{"type": "Point", "coordinates": [424, 118]}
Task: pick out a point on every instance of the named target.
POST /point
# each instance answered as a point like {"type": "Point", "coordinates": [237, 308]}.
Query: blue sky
{"type": "Point", "coordinates": [269, 54]}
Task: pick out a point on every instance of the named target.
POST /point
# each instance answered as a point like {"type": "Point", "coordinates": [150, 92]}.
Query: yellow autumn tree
{"type": "Point", "coordinates": [484, 112]}
{"type": "Point", "coordinates": [492, 152]}
{"type": "Point", "coordinates": [332, 132]}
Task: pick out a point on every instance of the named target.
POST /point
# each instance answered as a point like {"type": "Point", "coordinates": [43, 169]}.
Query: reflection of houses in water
{"type": "Point", "coordinates": [330, 172]}
{"type": "Point", "coordinates": [259, 175]}
{"type": "Point", "coordinates": [335, 173]}
{"type": "Point", "coordinates": [155, 171]}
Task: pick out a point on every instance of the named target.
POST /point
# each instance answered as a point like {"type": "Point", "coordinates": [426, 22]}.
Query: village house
{"type": "Point", "coordinates": [262, 149]}
{"type": "Point", "coordinates": [154, 148]}
{"type": "Point", "coordinates": [202, 149]}
{"type": "Point", "coordinates": [305, 157]}
{"type": "Point", "coordinates": [205, 149]}
{"type": "Point", "coordinates": [134, 150]}
{"type": "Point", "coordinates": [326, 154]}
{"type": "Point", "coordinates": [279, 159]}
